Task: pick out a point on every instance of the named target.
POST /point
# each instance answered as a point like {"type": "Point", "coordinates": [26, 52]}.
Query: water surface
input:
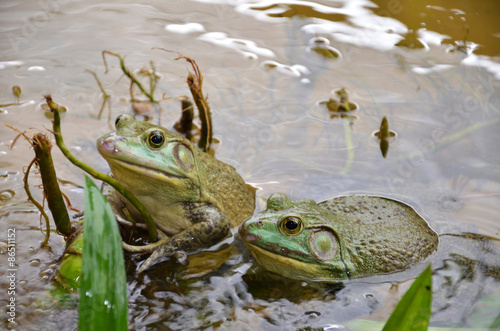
{"type": "Point", "coordinates": [433, 70]}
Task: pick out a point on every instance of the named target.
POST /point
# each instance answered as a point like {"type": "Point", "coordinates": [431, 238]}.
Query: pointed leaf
{"type": "Point", "coordinates": [413, 312]}
{"type": "Point", "coordinates": [103, 295]}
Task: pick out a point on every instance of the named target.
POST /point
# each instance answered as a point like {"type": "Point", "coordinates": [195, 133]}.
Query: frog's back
{"type": "Point", "coordinates": [227, 190]}
{"type": "Point", "coordinates": [383, 235]}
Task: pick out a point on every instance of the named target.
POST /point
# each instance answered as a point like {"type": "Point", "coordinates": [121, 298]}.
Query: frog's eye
{"type": "Point", "coordinates": [291, 225]}
{"type": "Point", "coordinates": [156, 139]}
{"type": "Point", "coordinates": [117, 120]}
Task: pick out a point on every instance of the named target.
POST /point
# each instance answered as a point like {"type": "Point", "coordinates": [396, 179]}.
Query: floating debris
{"type": "Point", "coordinates": [384, 135]}
{"type": "Point", "coordinates": [16, 90]}
{"type": "Point", "coordinates": [339, 105]}
{"type": "Point", "coordinates": [321, 46]}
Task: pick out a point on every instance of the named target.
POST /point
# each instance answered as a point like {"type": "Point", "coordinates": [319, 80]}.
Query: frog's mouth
{"type": "Point", "coordinates": [292, 268]}
{"type": "Point", "coordinates": [148, 171]}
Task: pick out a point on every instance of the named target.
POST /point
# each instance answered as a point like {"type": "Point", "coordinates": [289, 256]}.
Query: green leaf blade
{"type": "Point", "coordinates": [103, 298]}
{"type": "Point", "coordinates": [413, 312]}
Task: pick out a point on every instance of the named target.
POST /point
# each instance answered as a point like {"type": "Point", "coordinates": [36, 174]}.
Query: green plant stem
{"type": "Point", "coordinates": [36, 203]}
{"type": "Point", "coordinates": [129, 74]}
{"type": "Point", "coordinates": [51, 188]}
{"type": "Point", "coordinates": [153, 233]}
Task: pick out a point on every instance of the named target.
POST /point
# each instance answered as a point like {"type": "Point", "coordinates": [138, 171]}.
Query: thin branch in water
{"type": "Point", "coordinates": [105, 95]}
{"type": "Point", "coordinates": [131, 76]}
{"type": "Point", "coordinates": [36, 203]}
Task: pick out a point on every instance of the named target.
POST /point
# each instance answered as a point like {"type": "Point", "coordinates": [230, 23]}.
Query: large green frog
{"type": "Point", "coordinates": [345, 237]}
{"type": "Point", "coordinates": [191, 196]}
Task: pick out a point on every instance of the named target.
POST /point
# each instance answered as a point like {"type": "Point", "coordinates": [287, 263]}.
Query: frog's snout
{"type": "Point", "coordinates": [107, 144]}
{"type": "Point", "coordinates": [245, 233]}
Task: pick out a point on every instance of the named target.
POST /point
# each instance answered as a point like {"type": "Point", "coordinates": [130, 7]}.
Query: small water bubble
{"type": "Point", "coordinates": [35, 262]}
{"type": "Point", "coordinates": [322, 47]}
{"type": "Point", "coordinates": [6, 195]}
{"type": "Point", "coordinates": [267, 65]}
{"type": "Point", "coordinates": [450, 203]}
{"type": "Point", "coordinates": [46, 273]}
{"type": "Point", "coordinates": [319, 41]}
{"type": "Point", "coordinates": [21, 283]}
{"type": "Point", "coordinates": [313, 314]}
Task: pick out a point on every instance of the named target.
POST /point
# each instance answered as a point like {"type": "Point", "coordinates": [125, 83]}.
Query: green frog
{"type": "Point", "coordinates": [342, 238]}
{"type": "Point", "coordinates": [191, 196]}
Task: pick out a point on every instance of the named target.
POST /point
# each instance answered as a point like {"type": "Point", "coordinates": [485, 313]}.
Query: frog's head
{"type": "Point", "coordinates": [151, 161]}
{"type": "Point", "coordinates": [296, 239]}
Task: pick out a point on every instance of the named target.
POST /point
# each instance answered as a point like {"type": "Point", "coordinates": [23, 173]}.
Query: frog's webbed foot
{"type": "Point", "coordinates": [145, 248]}
{"type": "Point", "coordinates": [212, 226]}
{"type": "Point", "coordinates": [158, 256]}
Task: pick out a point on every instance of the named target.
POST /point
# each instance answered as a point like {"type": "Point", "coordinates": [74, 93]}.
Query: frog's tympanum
{"type": "Point", "coordinates": [345, 237]}
{"type": "Point", "coordinates": [191, 196]}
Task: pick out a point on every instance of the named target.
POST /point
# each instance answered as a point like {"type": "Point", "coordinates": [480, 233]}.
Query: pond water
{"type": "Point", "coordinates": [433, 70]}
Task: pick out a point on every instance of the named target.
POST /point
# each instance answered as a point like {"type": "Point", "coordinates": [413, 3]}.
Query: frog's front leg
{"type": "Point", "coordinates": [210, 226]}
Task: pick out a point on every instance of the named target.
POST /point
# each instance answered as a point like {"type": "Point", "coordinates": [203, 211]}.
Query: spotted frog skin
{"type": "Point", "coordinates": [190, 195]}
{"type": "Point", "coordinates": [345, 237]}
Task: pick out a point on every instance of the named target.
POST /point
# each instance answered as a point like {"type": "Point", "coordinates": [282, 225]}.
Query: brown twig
{"type": "Point", "coordinates": [195, 83]}
{"type": "Point", "coordinates": [53, 194]}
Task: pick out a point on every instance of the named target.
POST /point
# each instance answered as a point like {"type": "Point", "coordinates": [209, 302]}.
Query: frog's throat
{"type": "Point", "coordinates": [293, 268]}
{"type": "Point", "coordinates": [153, 173]}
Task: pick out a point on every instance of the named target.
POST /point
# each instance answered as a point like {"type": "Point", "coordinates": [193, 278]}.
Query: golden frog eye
{"type": "Point", "coordinates": [291, 225]}
{"type": "Point", "coordinates": [156, 139]}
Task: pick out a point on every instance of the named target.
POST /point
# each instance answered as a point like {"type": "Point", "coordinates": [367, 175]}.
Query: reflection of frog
{"type": "Point", "coordinates": [345, 237]}
{"type": "Point", "coordinates": [191, 196]}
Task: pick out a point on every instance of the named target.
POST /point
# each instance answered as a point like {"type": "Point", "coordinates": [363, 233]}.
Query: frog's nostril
{"type": "Point", "coordinates": [250, 238]}
{"type": "Point", "coordinates": [106, 145]}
